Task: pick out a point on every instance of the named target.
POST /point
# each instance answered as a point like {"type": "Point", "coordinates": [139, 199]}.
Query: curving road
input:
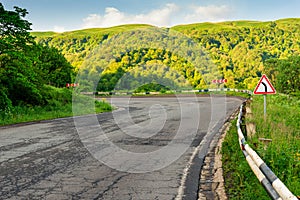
{"type": "Point", "coordinates": [153, 149]}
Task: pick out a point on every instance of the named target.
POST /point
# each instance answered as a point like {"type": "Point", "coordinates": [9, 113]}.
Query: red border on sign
{"type": "Point", "coordinates": [269, 83]}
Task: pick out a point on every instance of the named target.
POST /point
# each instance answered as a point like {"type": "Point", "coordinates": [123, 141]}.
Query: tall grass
{"type": "Point", "coordinates": [282, 155]}
{"type": "Point", "coordinates": [240, 182]}
{"type": "Point", "coordinates": [282, 125]}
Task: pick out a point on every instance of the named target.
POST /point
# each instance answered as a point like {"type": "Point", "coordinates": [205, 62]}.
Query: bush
{"type": "Point", "coordinates": [56, 96]}
{"type": "Point", "coordinates": [5, 103]}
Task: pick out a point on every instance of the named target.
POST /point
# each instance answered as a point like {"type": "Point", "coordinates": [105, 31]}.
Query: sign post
{"type": "Point", "coordinates": [265, 105]}
{"type": "Point", "coordinates": [219, 81]}
{"type": "Point", "coordinates": [264, 87]}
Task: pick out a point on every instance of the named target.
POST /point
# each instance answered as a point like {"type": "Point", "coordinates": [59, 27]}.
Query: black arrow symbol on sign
{"type": "Point", "coordinates": [266, 87]}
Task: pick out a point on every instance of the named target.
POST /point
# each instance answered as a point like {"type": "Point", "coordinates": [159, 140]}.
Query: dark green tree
{"type": "Point", "coordinates": [25, 66]}
{"type": "Point", "coordinates": [54, 67]}
{"type": "Point", "coordinates": [14, 30]}
{"type": "Point", "coordinates": [18, 78]}
{"type": "Point", "coordinates": [285, 73]}
{"type": "Point", "coordinates": [239, 49]}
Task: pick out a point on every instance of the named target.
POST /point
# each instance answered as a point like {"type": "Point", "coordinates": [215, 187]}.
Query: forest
{"type": "Point", "coordinates": [33, 76]}
{"type": "Point", "coordinates": [239, 51]}
{"type": "Point", "coordinates": [128, 57]}
{"type": "Point", "coordinates": [36, 66]}
{"type": "Point", "coordinates": [28, 71]}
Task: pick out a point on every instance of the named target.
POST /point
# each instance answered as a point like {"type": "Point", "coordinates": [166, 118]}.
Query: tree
{"type": "Point", "coordinates": [14, 30]}
{"type": "Point", "coordinates": [19, 79]}
{"type": "Point", "coordinates": [238, 50]}
{"type": "Point", "coordinates": [285, 73]}
{"type": "Point", "coordinates": [25, 66]}
{"type": "Point", "coordinates": [55, 69]}
{"type": "Point", "coordinates": [17, 75]}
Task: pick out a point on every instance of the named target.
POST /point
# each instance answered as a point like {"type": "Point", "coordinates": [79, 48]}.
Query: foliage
{"type": "Point", "coordinates": [17, 75]}
{"type": "Point", "coordinates": [54, 67]}
{"type": "Point", "coordinates": [152, 87]}
{"type": "Point", "coordinates": [282, 155]}
{"type": "Point", "coordinates": [174, 72]}
{"type": "Point", "coordinates": [14, 30]}
{"type": "Point", "coordinates": [240, 49]}
{"type": "Point", "coordinates": [57, 96]}
{"type": "Point", "coordinates": [77, 45]}
{"type": "Point", "coordinates": [19, 79]}
{"type": "Point", "coordinates": [285, 73]}
{"type": "Point", "coordinates": [5, 103]}
{"type": "Point", "coordinates": [59, 104]}
{"type": "Point", "coordinates": [240, 182]}
{"type": "Point", "coordinates": [25, 66]}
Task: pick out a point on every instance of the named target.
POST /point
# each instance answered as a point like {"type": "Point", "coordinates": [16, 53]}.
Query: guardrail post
{"type": "Point", "coordinates": [272, 184]}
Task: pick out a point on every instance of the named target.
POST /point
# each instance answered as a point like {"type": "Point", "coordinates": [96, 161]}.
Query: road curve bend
{"type": "Point", "coordinates": [149, 148]}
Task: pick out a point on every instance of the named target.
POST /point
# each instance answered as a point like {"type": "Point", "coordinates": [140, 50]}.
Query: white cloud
{"type": "Point", "coordinates": [167, 16]}
{"type": "Point", "coordinates": [210, 13]}
{"type": "Point", "coordinates": [92, 20]}
{"type": "Point", "coordinates": [113, 17]}
{"type": "Point", "coordinates": [162, 17]}
{"type": "Point", "coordinates": [59, 29]}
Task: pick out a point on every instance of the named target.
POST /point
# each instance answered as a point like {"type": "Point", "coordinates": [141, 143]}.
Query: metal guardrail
{"type": "Point", "coordinates": [226, 90]}
{"type": "Point", "coordinates": [181, 91]}
{"type": "Point", "coordinates": [273, 185]}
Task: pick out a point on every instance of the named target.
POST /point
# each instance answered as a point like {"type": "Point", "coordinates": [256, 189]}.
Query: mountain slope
{"type": "Point", "coordinates": [238, 48]}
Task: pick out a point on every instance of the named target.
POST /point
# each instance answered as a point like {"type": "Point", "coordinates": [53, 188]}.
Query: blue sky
{"type": "Point", "coordinates": [65, 15]}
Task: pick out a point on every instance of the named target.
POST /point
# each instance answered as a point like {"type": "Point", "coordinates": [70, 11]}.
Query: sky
{"type": "Point", "coordinates": [67, 15]}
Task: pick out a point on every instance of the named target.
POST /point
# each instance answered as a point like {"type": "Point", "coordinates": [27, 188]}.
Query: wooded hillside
{"type": "Point", "coordinates": [239, 49]}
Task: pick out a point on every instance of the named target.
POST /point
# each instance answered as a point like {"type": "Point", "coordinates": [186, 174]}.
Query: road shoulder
{"type": "Point", "coordinates": [211, 184]}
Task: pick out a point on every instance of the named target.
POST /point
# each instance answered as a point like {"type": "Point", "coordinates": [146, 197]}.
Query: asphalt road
{"type": "Point", "coordinates": [149, 148]}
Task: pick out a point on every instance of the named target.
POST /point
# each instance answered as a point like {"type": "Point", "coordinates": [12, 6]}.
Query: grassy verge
{"type": "Point", "coordinates": [282, 155]}
{"type": "Point", "coordinates": [240, 182]}
{"type": "Point", "coordinates": [60, 104]}
{"type": "Point", "coordinates": [282, 125]}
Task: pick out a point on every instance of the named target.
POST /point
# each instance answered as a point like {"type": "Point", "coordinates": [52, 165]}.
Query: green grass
{"type": "Point", "coordinates": [204, 26]}
{"type": "Point", "coordinates": [59, 104]}
{"type": "Point", "coordinates": [282, 125]}
{"type": "Point", "coordinates": [227, 25]}
{"type": "Point", "coordinates": [43, 34]}
{"type": "Point", "coordinates": [230, 25]}
{"type": "Point", "coordinates": [288, 21]}
{"type": "Point", "coordinates": [240, 182]}
{"type": "Point", "coordinates": [282, 155]}
{"type": "Point", "coordinates": [37, 113]}
{"type": "Point", "coordinates": [92, 31]}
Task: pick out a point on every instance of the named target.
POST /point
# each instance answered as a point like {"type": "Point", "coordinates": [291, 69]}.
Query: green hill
{"type": "Point", "coordinates": [238, 48]}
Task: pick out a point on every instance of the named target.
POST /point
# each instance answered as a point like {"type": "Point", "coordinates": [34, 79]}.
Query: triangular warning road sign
{"type": "Point", "coordinates": [264, 86]}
